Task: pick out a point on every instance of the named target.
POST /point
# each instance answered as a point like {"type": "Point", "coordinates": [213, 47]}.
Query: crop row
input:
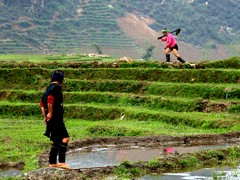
{"type": "Point", "coordinates": [57, 46]}
{"type": "Point", "coordinates": [188, 90]}
{"type": "Point", "coordinates": [232, 63]}
{"type": "Point", "coordinates": [84, 41]}
{"type": "Point", "coordinates": [151, 102]}
{"type": "Point", "coordinates": [80, 62]}
{"type": "Point", "coordinates": [137, 74]}
{"type": "Point", "coordinates": [124, 99]}
{"type": "Point", "coordinates": [104, 112]}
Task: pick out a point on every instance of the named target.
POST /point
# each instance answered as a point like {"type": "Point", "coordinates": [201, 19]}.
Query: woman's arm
{"type": "Point", "coordinates": [50, 112]}
{"type": "Point", "coordinates": [50, 101]}
{"type": "Point", "coordinates": [164, 38]}
{"type": "Point", "coordinates": [43, 111]}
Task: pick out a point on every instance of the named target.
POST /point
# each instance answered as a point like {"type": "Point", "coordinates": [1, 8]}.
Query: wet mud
{"type": "Point", "coordinates": [11, 165]}
{"type": "Point", "coordinates": [168, 144]}
{"type": "Point", "coordinates": [9, 169]}
{"type": "Point", "coordinates": [111, 156]}
{"type": "Point", "coordinates": [162, 141]}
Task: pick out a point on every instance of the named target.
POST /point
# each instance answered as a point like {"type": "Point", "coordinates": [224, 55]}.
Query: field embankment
{"type": "Point", "coordinates": [114, 99]}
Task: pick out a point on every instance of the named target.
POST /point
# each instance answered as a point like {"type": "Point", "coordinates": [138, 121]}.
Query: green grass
{"type": "Point", "coordinates": [182, 163]}
{"type": "Point", "coordinates": [39, 58]}
{"type": "Point", "coordinates": [185, 90]}
{"type": "Point", "coordinates": [22, 138]}
{"type": "Point", "coordinates": [97, 111]}
{"type": "Point", "coordinates": [37, 75]}
{"type": "Point", "coordinates": [82, 61]}
{"type": "Point", "coordinates": [100, 101]}
{"type": "Point", "coordinates": [123, 99]}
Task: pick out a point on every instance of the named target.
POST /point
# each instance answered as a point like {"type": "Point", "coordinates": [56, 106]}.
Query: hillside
{"type": "Point", "coordinates": [210, 30]}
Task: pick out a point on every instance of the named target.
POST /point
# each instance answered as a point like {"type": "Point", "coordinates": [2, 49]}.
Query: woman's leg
{"type": "Point", "coordinates": [175, 52]}
{"type": "Point", "coordinates": [62, 153]}
{"type": "Point", "coordinates": [167, 51]}
{"type": "Point", "coordinates": [53, 154]}
{"type": "Point", "coordinates": [65, 140]}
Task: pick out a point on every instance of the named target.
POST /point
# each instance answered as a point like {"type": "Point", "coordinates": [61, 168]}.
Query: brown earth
{"type": "Point", "coordinates": [12, 165]}
{"type": "Point", "coordinates": [138, 28]}
{"type": "Point", "coordinates": [208, 107]}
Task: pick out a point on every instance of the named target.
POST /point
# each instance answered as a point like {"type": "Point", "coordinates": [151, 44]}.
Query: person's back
{"type": "Point", "coordinates": [52, 110]}
{"type": "Point", "coordinates": [53, 95]}
{"type": "Point", "coordinates": [171, 42]}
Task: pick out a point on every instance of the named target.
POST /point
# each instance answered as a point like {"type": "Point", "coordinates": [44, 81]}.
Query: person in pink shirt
{"type": "Point", "coordinates": [171, 46]}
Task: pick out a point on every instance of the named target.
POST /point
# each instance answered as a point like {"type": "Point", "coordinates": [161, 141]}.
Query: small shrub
{"type": "Point", "coordinates": [98, 49]}
{"type": "Point", "coordinates": [154, 163]}
{"type": "Point", "coordinates": [149, 53]}
{"type": "Point", "coordinates": [127, 170]}
{"type": "Point", "coordinates": [188, 162]}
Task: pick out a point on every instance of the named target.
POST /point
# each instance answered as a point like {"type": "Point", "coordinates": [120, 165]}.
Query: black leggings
{"type": "Point", "coordinates": [58, 149]}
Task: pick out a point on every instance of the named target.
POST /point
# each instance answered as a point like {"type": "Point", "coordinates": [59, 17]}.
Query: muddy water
{"type": "Point", "coordinates": [9, 173]}
{"type": "Point", "coordinates": [110, 156]}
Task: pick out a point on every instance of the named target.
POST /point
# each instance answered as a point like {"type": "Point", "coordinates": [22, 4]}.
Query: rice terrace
{"type": "Point", "coordinates": [188, 116]}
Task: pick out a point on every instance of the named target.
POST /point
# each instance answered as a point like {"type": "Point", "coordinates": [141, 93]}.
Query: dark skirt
{"type": "Point", "coordinates": [58, 132]}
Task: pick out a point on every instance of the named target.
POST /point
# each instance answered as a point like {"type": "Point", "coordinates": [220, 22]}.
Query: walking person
{"type": "Point", "coordinates": [171, 46]}
{"type": "Point", "coordinates": [52, 110]}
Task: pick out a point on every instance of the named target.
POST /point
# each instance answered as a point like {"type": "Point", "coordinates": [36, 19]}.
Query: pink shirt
{"type": "Point", "coordinates": [170, 40]}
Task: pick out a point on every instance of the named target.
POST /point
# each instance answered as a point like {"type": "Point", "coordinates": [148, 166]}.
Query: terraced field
{"type": "Point", "coordinates": [122, 99]}
{"type": "Point", "coordinates": [95, 25]}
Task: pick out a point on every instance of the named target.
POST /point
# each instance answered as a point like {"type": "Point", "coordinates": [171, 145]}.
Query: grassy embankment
{"type": "Point", "coordinates": [137, 99]}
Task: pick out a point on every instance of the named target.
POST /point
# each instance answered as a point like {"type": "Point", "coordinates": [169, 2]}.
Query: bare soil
{"type": "Point", "coordinates": [12, 165]}
{"type": "Point", "coordinates": [208, 107]}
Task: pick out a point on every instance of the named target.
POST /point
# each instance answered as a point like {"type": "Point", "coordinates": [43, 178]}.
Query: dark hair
{"type": "Point", "coordinates": [57, 75]}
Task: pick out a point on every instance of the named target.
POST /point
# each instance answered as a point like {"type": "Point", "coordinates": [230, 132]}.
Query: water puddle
{"type": "Point", "coordinates": [204, 174]}
{"type": "Point", "coordinates": [9, 173]}
{"type": "Point", "coordinates": [111, 156]}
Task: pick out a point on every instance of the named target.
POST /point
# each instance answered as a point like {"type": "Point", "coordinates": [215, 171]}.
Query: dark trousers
{"type": "Point", "coordinates": [58, 149]}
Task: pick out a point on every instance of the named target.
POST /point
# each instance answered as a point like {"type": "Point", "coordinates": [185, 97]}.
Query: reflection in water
{"type": "Point", "coordinates": [110, 157]}
{"type": "Point", "coordinates": [204, 174]}
{"type": "Point", "coordinates": [100, 157]}
{"type": "Point", "coordinates": [9, 173]}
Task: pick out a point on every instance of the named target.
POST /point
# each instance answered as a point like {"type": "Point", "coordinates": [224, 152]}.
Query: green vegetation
{"type": "Point", "coordinates": [149, 53]}
{"type": "Point", "coordinates": [48, 61]}
{"type": "Point", "coordinates": [184, 162]}
{"type": "Point", "coordinates": [126, 170]}
{"type": "Point", "coordinates": [202, 23]}
{"type": "Point", "coordinates": [98, 49]}
{"type": "Point", "coordinates": [137, 99]}
{"type": "Point", "coordinates": [73, 26]}
{"type": "Point", "coordinates": [60, 27]}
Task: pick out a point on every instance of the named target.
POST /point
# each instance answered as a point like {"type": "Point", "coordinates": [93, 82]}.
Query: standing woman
{"type": "Point", "coordinates": [52, 110]}
{"type": "Point", "coordinates": [171, 46]}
